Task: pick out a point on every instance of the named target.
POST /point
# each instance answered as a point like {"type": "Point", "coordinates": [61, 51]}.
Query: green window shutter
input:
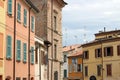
{"type": "Point", "coordinates": [25, 17]}
{"type": "Point", "coordinates": [24, 52]}
{"type": "Point", "coordinates": [18, 50]}
{"type": "Point", "coordinates": [32, 55]}
{"type": "Point", "coordinates": [9, 47]}
{"type": "Point", "coordinates": [18, 12]}
{"type": "Point", "coordinates": [32, 23]}
{"type": "Point", "coordinates": [9, 6]}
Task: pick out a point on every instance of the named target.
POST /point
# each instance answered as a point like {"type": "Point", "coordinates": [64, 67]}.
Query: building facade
{"type": "Point", "coordinates": [40, 59]}
{"type": "Point", "coordinates": [2, 37]}
{"type": "Point", "coordinates": [75, 62]}
{"type": "Point", "coordinates": [19, 38]}
{"type": "Point", "coordinates": [67, 51]}
{"type": "Point", "coordinates": [49, 28]}
{"type": "Point", "coordinates": [102, 56]}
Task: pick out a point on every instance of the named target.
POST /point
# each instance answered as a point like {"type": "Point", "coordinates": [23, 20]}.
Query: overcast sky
{"type": "Point", "coordinates": [83, 18]}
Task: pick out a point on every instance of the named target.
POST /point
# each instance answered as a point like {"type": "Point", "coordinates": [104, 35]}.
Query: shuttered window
{"type": "Point", "coordinates": [109, 69]}
{"type": "Point", "coordinates": [32, 55]}
{"type": "Point", "coordinates": [25, 17]}
{"type": "Point", "coordinates": [18, 12]}
{"type": "Point", "coordinates": [99, 70]}
{"type": "Point", "coordinates": [118, 50]}
{"type": "Point", "coordinates": [108, 51]}
{"type": "Point", "coordinates": [98, 53]}
{"type": "Point", "coordinates": [9, 47]}
{"type": "Point", "coordinates": [86, 55]}
{"type": "Point", "coordinates": [65, 73]}
{"type": "Point", "coordinates": [10, 7]}
{"type": "Point", "coordinates": [32, 23]}
{"type": "Point", "coordinates": [18, 56]}
{"type": "Point", "coordinates": [24, 52]}
{"type": "Point", "coordinates": [86, 70]}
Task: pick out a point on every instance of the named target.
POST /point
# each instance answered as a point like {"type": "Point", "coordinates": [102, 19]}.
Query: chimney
{"type": "Point", "coordinates": [104, 29]}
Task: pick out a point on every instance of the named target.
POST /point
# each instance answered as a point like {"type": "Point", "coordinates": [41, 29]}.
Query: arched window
{"type": "Point", "coordinates": [56, 75]}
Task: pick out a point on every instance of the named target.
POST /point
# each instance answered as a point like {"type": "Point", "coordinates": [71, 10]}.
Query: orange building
{"type": "Point", "coordinates": [75, 66]}
{"type": "Point", "coordinates": [20, 32]}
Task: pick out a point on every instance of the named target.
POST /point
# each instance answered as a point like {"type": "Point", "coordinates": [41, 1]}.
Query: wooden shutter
{"type": "Point", "coordinates": [32, 55]}
{"type": "Point", "coordinates": [109, 70]}
{"type": "Point", "coordinates": [9, 6]}
{"type": "Point", "coordinates": [18, 50]}
{"type": "Point", "coordinates": [87, 54]}
{"type": "Point", "coordinates": [32, 23]}
{"type": "Point", "coordinates": [111, 51]}
{"type": "Point", "coordinates": [105, 53]}
{"type": "Point", "coordinates": [25, 17]}
{"type": "Point", "coordinates": [118, 50]}
{"type": "Point", "coordinates": [95, 53]}
{"type": "Point", "coordinates": [18, 12]}
{"type": "Point", "coordinates": [24, 52]}
{"type": "Point", "coordinates": [9, 47]}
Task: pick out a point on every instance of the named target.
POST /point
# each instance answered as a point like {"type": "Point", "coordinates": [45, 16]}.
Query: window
{"type": "Point", "coordinates": [65, 58]}
{"type": "Point", "coordinates": [55, 23]}
{"type": "Point", "coordinates": [86, 70]}
{"type": "Point", "coordinates": [118, 50]}
{"type": "Point", "coordinates": [74, 61]}
{"type": "Point", "coordinates": [108, 51]}
{"type": "Point", "coordinates": [24, 52]}
{"type": "Point", "coordinates": [25, 17]}
{"type": "Point", "coordinates": [18, 50]}
{"type": "Point", "coordinates": [79, 67]}
{"type": "Point", "coordinates": [43, 57]}
{"type": "Point", "coordinates": [70, 68]}
{"type": "Point", "coordinates": [86, 55]}
{"type": "Point", "coordinates": [65, 73]}
{"type": "Point", "coordinates": [9, 47]}
{"type": "Point", "coordinates": [24, 78]}
{"type": "Point", "coordinates": [10, 7]}
{"type": "Point", "coordinates": [18, 12]}
{"type": "Point", "coordinates": [17, 78]}
{"type": "Point", "coordinates": [98, 53]}
{"type": "Point", "coordinates": [99, 70]}
{"type": "Point", "coordinates": [109, 69]}
{"type": "Point", "coordinates": [55, 51]}
{"type": "Point", "coordinates": [56, 75]}
{"type": "Point", "coordinates": [32, 23]}
{"type": "Point", "coordinates": [32, 55]}
{"type": "Point", "coordinates": [36, 55]}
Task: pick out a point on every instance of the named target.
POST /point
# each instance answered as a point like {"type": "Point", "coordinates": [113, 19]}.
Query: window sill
{"type": "Point", "coordinates": [17, 60]}
{"type": "Point", "coordinates": [24, 62]}
{"type": "Point", "coordinates": [8, 58]}
{"type": "Point", "coordinates": [18, 21]}
{"type": "Point", "coordinates": [10, 15]}
{"type": "Point", "coordinates": [25, 25]}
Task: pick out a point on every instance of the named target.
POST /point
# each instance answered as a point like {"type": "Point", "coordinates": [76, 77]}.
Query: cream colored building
{"type": "Point", "coordinates": [101, 59]}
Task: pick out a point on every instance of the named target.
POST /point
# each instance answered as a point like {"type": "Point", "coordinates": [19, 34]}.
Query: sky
{"type": "Point", "coordinates": [81, 19]}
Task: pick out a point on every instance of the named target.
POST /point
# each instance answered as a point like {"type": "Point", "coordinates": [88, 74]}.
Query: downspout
{"type": "Point", "coordinates": [39, 62]}
{"type": "Point", "coordinates": [14, 47]}
{"type": "Point", "coordinates": [52, 38]}
{"type": "Point", "coordinates": [29, 45]}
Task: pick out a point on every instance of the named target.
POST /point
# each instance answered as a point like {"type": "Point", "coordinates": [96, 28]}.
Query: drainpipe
{"type": "Point", "coordinates": [14, 40]}
{"type": "Point", "coordinates": [29, 45]}
{"type": "Point", "coordinates": [52, 38]}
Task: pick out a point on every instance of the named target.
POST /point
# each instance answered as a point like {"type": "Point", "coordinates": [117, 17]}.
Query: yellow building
{"type": "Point", "coordinates": [101, 58]}
{"type": "Point", "coordinates": [2, 32]}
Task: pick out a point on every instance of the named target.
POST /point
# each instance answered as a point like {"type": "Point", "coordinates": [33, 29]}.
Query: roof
{"type": "Point", "coordinates": [71, 47]}
{"type": "Point", "coordinates": [107, 32]}
{"type": "Point", "coordinates": [80, 52]}
{"type": "Point", "coordinates": [32, 5]}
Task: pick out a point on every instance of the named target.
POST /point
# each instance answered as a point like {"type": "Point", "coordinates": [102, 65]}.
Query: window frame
{"type": "Point", "coordinates": [18, 12]}
{"type": "Point", "coordinates": [9, 7]}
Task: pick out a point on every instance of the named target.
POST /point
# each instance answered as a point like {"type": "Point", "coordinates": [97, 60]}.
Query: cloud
{"type": "Point", "coordinates": [94, 14]}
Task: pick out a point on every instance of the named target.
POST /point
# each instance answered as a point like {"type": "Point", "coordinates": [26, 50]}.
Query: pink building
{"type": "Point", "coordinates": [20, 33]}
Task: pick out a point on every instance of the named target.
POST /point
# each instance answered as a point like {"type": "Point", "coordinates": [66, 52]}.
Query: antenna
{"type": "Point", "coordinates": [65, 36]}
{"type": "Point", "coordinates": [85, 35]}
